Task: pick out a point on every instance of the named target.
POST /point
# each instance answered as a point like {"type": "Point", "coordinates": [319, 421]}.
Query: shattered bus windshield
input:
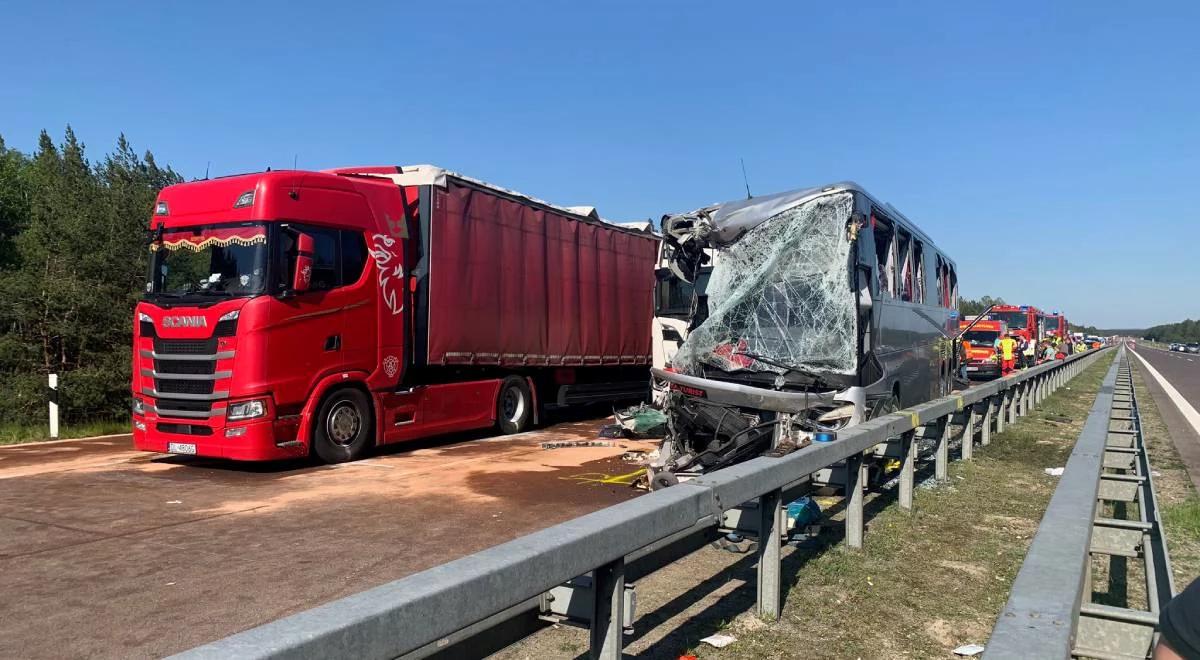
{"type": "Point", "coordinates": [779, 298]}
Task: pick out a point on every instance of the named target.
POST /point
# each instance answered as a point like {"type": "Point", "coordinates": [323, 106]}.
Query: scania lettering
{"type": "Point", "coordinates": [328, 312]}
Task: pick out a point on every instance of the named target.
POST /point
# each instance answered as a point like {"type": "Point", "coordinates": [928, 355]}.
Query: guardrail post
{"type": "Point", "coordinates": [770, 581]}
{"type": "Point", "coordinates": [941, 462]}
{"type": "Point", "coordinates": [1012, 407]}
{"type": "Point", "coordinates": [608, 589]}
{"type": "Point", "coordinates": [968, 434]}
{"type": "Point", "coordinates": [908, 469]}
{"type": "Point", "coordinates": [1001, 411]}
{"type": "Point", "coordinates": [854, 501]}
{"type": "Point", "coordinates": [985, 432]}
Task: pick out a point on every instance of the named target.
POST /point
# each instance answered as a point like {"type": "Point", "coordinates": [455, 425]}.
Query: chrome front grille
{"type": "Point", "coordinates": [184, 377]}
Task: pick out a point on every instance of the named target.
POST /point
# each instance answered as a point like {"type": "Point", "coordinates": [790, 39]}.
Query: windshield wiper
{"type": "Point", "coordinates": [765, 360]}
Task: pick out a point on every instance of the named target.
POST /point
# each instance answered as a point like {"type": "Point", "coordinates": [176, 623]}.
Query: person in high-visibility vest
{"type": "Point", "coordinates": [1007, 347]}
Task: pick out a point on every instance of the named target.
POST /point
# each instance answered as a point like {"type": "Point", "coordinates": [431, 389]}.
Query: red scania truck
{"type": "Point", "coordinates": [287, 312]}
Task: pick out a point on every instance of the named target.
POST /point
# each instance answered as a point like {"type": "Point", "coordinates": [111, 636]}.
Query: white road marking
{"type": "Point", "coordinates": [1189, 413]}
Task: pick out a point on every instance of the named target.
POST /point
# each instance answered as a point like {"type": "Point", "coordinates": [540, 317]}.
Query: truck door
{"type": "Point", "coordinates": [306, 336]}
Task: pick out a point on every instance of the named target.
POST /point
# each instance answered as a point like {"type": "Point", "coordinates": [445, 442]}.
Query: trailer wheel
{"type": "Point", "coordinates": [514, 405]}
{"type": "Point", "coordinates": [345, 426]}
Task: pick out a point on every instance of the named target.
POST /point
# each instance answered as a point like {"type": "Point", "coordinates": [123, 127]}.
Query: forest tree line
{"type": "Point", "coordinates": [73, 254]}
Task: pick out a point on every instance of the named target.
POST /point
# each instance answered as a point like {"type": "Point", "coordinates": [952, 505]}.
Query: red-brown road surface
{"type": "Point", "coordinates": [108, 552]}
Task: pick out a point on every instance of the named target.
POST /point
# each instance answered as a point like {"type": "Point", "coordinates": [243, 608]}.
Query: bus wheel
{"type": "Point", "coordinates": [514, 405]}
{"type": "Point", "coordinates": [344, 426]}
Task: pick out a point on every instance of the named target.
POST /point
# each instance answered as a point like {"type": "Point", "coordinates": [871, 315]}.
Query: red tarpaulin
{"type": "Point", "coordinates": [513, 283]}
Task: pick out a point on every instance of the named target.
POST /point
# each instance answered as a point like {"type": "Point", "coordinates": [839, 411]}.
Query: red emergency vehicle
{"type": "Point", "coordinates": [1056, 325]}
{"type": "Point", "coordinates": [1021, 320]}
{"type": "Point", "coordinates": [333, 311]}
{"type": "Point", "coordinates": [979, 348]}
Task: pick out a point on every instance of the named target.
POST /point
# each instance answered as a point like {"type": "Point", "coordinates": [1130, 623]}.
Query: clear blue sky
{"type": "Point", "coordinates": [1051, 148]}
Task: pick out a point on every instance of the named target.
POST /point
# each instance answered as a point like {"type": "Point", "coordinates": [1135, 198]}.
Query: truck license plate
{"type": "Point", "coordinates": [972, 368]}
{"type": "Point", "coordinates": [181, 447]}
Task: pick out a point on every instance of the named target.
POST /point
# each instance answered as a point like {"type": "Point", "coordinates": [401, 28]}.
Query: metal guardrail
{"type": "Point", "coordinates": [1050, 613]}
{"type": "Point", "coordinates": [428, 610]}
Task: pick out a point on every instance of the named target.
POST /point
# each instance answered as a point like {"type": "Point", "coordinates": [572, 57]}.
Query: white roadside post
{"type": "Point", "coordinates": [53, 406]}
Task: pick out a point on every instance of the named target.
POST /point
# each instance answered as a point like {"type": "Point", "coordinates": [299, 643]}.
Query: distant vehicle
{"type": "Point", "coordinates": [978, 346]}
{"type": "Point", "coordinates": [1173, 347]}
{"type": "Point", "coordinates": [1193, 348]}
{"type": "Point", "coordinates": [1025, 322]}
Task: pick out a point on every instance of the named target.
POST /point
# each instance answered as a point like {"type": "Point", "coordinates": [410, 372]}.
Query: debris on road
{"type": "Point", "coordinates": [802, 513]}
{"type": "Point", "coordinates": [175, 502]}
{"type": "Point", "coordinates": [564, 444]}
{"type": "Point", "coordinates": [642, 421]}
{"type": "Point", "coordinates": [614, 431]}
{"type": "Point", "coordinates": [968, 650]}
{"type": "Point", "coordinates": [1055, 472]}
{"type": "Point", "coordinates": [719, 640]}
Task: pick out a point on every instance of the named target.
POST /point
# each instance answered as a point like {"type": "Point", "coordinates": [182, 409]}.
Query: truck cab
{"type": "Point", "coordinates": [258, 296]}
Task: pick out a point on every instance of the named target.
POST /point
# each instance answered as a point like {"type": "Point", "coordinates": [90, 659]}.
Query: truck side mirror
{"type": "Point", "coordinates": [302, 274]}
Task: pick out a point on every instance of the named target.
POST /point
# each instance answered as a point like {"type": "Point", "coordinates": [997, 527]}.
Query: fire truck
{"type": "Point", "coordinates": [978, 346]}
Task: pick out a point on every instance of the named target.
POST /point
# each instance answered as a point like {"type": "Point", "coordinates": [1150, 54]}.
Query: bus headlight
{"type": "Point", "coordinates": [246, 410]}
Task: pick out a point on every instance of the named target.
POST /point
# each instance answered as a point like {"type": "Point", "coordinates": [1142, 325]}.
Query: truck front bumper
{"type": "Point", "coordinates": [259, 441]}
{"type": "Point", "coordinates": [983, 370]}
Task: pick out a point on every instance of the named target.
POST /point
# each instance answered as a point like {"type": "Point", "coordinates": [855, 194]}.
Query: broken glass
{"type": "Point", "coordinates": [779, 297]}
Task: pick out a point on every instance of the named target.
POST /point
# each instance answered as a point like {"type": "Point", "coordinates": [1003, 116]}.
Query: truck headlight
{"type": "Point", "coordinates": [246, 410]}
{"type": "Point", "coordinates": [139, 406]}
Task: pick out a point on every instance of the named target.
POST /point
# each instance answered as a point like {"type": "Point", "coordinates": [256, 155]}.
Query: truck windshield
{"type": "Point", "coordinates": [217, 260]}
{"type": "Point", "coordinates": [779, 298]}
{"type": "Point", "coordinates": [981, 337]}
{"type": "Point", "coordinates": [1014, 320]}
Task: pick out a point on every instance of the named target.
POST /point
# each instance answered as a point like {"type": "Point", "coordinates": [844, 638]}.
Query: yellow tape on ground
{"type": "Point", "coordinates": [601, 478]}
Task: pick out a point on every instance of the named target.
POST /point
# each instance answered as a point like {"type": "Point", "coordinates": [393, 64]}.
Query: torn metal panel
{"type": "Point", "coordinates": [779, 298]}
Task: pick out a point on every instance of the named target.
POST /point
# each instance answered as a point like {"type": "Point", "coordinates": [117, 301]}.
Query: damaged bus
{"type": "Point", "coordinates": [822, 308]}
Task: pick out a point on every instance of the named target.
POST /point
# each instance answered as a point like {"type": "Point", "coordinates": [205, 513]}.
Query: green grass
{"type": "Point", "coordinates": [14, 434]}
{"type": "Point", "coordinates": [1184, 518]}
{"type": "Point", "coordinates": [928, 581]}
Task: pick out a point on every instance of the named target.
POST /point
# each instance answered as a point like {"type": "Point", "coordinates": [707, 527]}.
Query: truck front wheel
{"type": "Point", "coordinates": [514, 405]}
{"type": "Point", "coordinates": [344, 426]}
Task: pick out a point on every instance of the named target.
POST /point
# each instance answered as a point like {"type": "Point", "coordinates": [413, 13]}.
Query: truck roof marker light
{"type": "Point", "coordinates": [161, 209]}
{"type": "Point", "coordinates": [230, 316]}
{"type": "Point", "coordinates": [245, 199]}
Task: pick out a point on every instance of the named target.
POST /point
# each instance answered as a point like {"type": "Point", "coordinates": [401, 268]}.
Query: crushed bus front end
{"type": "Point", "coordinates": [771, 359]}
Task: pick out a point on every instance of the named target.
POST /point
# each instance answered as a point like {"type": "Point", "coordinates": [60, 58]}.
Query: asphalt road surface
{"type": "Point", "coordinates": [109, 552]}
{"type": "Point", "coordinates": [1182, 372]}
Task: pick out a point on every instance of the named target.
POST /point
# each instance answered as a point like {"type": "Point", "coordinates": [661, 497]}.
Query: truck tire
{"type": "Point", "coordinates": [345, 426]}
{"type": "Point", "coordinates": [514, 406]}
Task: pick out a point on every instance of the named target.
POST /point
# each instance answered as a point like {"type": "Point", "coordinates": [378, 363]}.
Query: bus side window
{"type": "Point", "coordinates": [953, 281]}
{"type": "Point", "coordinates": [885, 255]}
{"type": "Point", "coordinates": [919, 263]}
{"type": "Point", "coordinates": [905, 253]}
{"type": "Point", "coordinates": [940, 283]}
